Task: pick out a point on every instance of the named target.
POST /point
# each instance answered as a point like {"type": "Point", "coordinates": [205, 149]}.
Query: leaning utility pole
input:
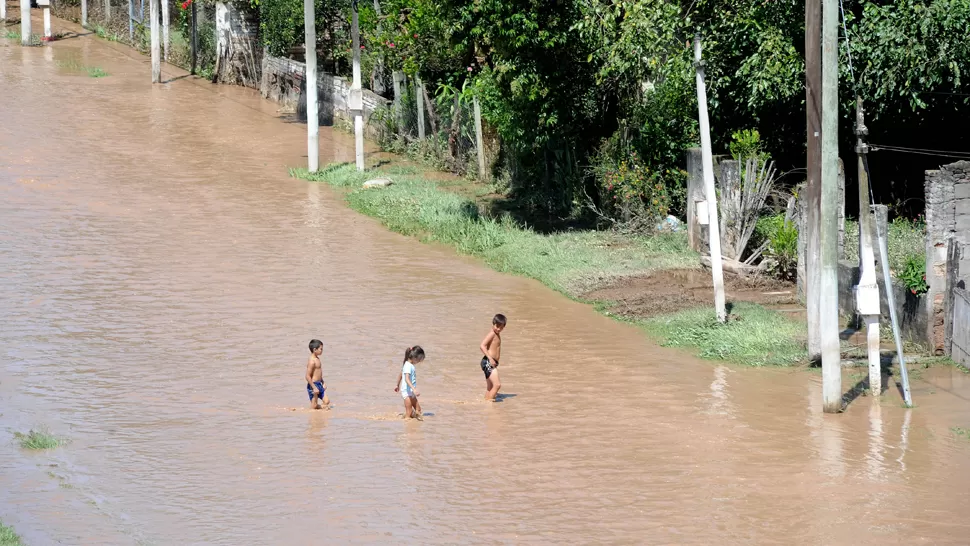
{"type": "Point", "coordinates": [25, 22]}
{"type": "Point", "coordinates": [312, 107]}
{"type": "Point", "coordinates": [3, 10]}
{"type": "Point", "coordinates": [707, 160]}
{"type": "Point", "coordinates": [156, 54]}
{"type": "Point", "coordinates": [107, 11]}
{"type": "Point", "coordinates": [357, 92]}
{"type": "Point", "coordinates": [867, 293]}
{"type": "Point", "coordinates": [84, 13]}
{"type": "Point", "coordinates": [829, 226]}
{"type": "Point", "coordinates": [813, 191]}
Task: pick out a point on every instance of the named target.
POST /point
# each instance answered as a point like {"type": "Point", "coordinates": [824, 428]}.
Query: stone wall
{"type": "Point", "coordinates": [947, 217]}
{"type": "Point", "coordinates": [238, 52]}
{"type": "Point", "coordinates": [284, 81]}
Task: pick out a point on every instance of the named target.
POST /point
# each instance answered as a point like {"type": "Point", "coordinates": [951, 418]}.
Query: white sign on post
{"type": "Point", "coordinates": [703, 217]}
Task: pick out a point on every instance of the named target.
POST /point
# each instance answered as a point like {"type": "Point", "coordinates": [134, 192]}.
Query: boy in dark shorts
{"type": "Point", "coordinates": [492, 349]}
{"type": "Point", "coordinates": [315, 387]}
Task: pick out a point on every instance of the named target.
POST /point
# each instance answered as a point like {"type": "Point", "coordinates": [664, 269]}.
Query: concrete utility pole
{"type": "Point", "coordinates": [813, 188]}
{"type": "Point", "coordinates": [25, 29]}
{"type": "Point", "coordinates": [829, 227]}
{"type": "Point", "coordinates": [479, 139]}
{"type": "Point", "coordinates": [867, 295]}
{"type": "Point", "coordinates": [357, 92]}
{"type": "Point", "coordinates": [84, 13]}
{"type": "Point", "coordinates": [156, 54]}
{"type": "Point", "coordinates": [312, 105]}
{"type": "Point", "coordinates": [46, 5]}
{"type": "Point", "coordinates": [707, 160]}
{"type": "Point", "coordinates": [131, 19]}
{"type": "Point", "coordinates": [107, 11]}
{"type": "Point", "coordinates": [418, 94]}
{"type": "Point", "coordinates": [3, 10]}
{"type": "Point", "coordinates": [165, 24]}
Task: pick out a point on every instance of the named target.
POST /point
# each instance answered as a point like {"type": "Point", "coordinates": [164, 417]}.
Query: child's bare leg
{"type": "Point", "coordinates": [407, 408]}
{"type": "Point", "coordinates": [326, 401]}
{"type": "Point", "coordinates": [496, 385]}
{"type": "Point", "coordinates": [417, 408]}
{"type": "Point", "coordinates": [313, 402]}
{"type": "Point", "coordinates": [488, 384]}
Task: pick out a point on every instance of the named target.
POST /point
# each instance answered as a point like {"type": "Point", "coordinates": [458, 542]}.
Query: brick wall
{"type": "Point", "coordinates": [283, 80]}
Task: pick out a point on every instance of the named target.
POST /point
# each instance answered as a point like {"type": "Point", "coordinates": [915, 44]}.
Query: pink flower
{"type": "Point", "coordinates": [391, 44]}
{"type": "Point", "coordinates": [469, 69]}
{"type": "Point", "coordinates": [415, 35]}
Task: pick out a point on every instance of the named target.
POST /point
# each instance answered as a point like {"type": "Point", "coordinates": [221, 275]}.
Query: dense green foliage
{"type": "Point", "coordinates": [577, 89]}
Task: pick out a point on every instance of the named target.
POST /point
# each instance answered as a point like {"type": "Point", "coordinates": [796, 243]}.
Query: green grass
{"type": "Point", "coordinates": [34, 38]}
{"type": "Point", "coordinates": [38, 439]}
{"type": "Point", "coordinates": [906, 238]}
{"type": "Point", "coordinates": [8, 537]}
{"type": "Point", "coordinates": [77, 66]}
{"type": "Point", "coordinates": [962, 432]}
{"type": "Point", "coordinates": [759, 336]}
{"type": "Point", "coordinates": [569, 262]}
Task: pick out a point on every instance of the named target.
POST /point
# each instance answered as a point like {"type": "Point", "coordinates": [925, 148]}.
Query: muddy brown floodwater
{"type": "Point", "coordinates": [160, 276]}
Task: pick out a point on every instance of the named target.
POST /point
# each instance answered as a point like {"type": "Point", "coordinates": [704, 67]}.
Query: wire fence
{"type": "Point", "coordinates": [449, 128]}
{"type": "Point", "coordinates": [128, 22]}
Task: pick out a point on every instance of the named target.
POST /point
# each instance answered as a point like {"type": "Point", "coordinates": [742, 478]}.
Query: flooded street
{"type": "Point", "coordinates": [161, 275]}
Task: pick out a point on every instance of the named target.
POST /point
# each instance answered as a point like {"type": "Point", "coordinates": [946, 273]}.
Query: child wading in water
{"type": "Point", "coordinates": [407, 382]}
{"type": "Point", "coordinates": [315, 387]}
{"type": "Point", "coordinates": [492, 349]}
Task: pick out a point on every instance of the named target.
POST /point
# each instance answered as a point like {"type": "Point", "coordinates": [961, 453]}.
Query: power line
{"type": "Point", "coordinates": [921, 151]}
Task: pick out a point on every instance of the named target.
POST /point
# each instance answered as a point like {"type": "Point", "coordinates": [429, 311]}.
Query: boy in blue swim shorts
{"type": "Point", "coordinates": [315, 387]}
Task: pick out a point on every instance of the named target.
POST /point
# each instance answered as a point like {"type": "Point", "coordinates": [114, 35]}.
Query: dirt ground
{"type": "Point", "coordinates": [670, 291]}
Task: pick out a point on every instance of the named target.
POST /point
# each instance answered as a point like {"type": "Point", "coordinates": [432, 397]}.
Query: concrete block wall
{"type": "Point", "coordinates": [284, 81]}
{"type": "Point", "coordinates": [947, 217]}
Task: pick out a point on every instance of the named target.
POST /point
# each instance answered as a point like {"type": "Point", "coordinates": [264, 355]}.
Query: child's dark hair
{"type": "Point", "coordinates": [499, 320]}
{"type": "Point", "coordinates": [315, 344]}
{"type": "Point", "coordinates": [415, 353]}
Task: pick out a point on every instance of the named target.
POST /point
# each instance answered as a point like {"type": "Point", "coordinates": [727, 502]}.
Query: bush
{"type": "Point", "coordinates": [630, 192]}
{"type": "Point", "coordinates": [782, 250]}
{"type": "Point", "coordinates": [914, 275]}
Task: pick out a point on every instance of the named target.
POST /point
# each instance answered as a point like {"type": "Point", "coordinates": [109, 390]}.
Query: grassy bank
{"type": "Point", "coordinates": [756, 337]}
{"type": "Point", "coordinates": [572, 263]}
{"type": "Point", "coordinates": [8, 537]}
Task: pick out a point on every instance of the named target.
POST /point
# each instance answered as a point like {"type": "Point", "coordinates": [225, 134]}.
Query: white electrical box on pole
{"type": "Point", "coordinates": [707, 160]}
{"type": "Point", "coordinates": [829, 226]}
{"type": "Point", "coordinates": [312, 104]}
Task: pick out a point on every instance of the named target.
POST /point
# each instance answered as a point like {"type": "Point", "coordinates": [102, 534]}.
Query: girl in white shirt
{"type": "Point", "coordinates": [407, 382]}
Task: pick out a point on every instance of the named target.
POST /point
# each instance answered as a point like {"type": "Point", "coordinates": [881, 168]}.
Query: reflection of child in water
{"type": "Point", "coordinates": [407, 382]}
{"type": "Point", "coordinates": [492, 349]}
{"type": "Point", "coordinates": [315, 387]}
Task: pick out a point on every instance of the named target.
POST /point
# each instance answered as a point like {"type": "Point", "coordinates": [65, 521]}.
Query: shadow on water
{"type": "Point", "coordinates": [502, 397]}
